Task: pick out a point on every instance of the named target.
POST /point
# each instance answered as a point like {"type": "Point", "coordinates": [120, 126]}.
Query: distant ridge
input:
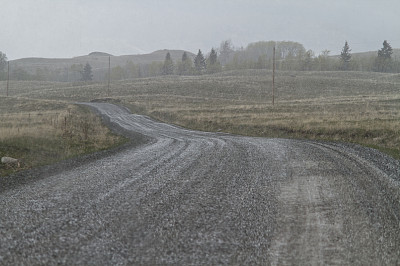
{"type": "Point", "coordinates": [97, 60]}
{"type": "Point", "coordinates": [99, 54]}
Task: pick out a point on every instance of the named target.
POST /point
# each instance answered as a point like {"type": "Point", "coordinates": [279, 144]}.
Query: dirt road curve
{"type": "Point", "coordinates": [188, 197]}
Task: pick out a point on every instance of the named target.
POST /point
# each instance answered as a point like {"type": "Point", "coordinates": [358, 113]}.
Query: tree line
{"type": "Point", "coordinates": [258, 55]}
{"type": "Point", "coordinates": [293, 56]}
{"type": "Point", "coordinates": [199, 65]}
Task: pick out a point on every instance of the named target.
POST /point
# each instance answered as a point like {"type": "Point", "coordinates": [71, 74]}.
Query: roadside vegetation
{"type": "Point", "coordinates": [359, 107]}
{"type": "Point", "coordinates": [40, 132]}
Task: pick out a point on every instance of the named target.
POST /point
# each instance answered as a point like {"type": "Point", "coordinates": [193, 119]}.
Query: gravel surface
{"type": "Point", "coordinates": [183, 197]}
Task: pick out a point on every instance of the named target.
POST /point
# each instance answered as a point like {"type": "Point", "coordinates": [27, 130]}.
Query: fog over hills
{"type": "Point", "coordinates": [68, 69]}
{"type": "Point", "coordinates": [99, 60]}
{"type": "Point", "coordinates": [96, 60]}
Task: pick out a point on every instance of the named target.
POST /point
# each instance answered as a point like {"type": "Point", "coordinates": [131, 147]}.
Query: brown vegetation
{"type": "Point", "coordinates": [355, 107]}
{"type": "Point", "coordinates": [39, 132]}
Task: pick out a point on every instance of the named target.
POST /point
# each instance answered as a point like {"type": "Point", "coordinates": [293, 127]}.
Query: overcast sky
{"type": "Point", "coordinates": [68, 28]}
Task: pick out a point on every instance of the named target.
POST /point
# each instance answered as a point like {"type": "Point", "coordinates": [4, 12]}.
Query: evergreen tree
{"type": "Point", "coordinates": [3, 64]}
{"type": "Point", "coordinates": [212, 59]}
{"type": "Point", "coordinates": [386, 51]}
{"type": "Point", "coordinates": [226, 51]}
{"type": "Point", "coordinates": [184, 57]}
{"type": "Point", "coordinates": [199, 62]}
{"type": "Point", "coordinates": [383, 62]}
{"type": "Point", "coordinates": [87, 73]}
{"type": "Point", "coordinates": [3, 61]}
{"type": "Point", "coordinates": [213, 65]}
{"type": "Point", "coordinates": [185, 66]}
{"type": "Point", "coordinates": [345, 56]}
{"type": "Point", "coordinates": [168, 67]}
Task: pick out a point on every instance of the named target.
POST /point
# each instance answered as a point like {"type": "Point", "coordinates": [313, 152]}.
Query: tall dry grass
{"type": "Point", "coordinates": [357, 107]}
{"type": "Point", "coordinates": [43, 132]}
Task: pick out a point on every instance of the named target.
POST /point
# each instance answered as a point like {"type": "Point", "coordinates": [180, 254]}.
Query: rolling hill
{"type": "Point", "coordinates": [97, 60]}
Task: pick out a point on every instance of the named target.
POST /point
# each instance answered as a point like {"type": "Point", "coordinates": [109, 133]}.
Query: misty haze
{"type": "Point", "coordinates": [200, 132]}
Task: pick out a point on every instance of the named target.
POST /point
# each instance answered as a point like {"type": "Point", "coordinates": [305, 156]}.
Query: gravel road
{"type": "Point", "coordinates": [186, 197]}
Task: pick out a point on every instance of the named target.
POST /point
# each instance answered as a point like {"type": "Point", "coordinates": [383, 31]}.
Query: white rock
{"type": "Point", "coordinates": [9, 160]}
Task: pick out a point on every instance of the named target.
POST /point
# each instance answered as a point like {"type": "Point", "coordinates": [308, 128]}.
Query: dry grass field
{"type": "Point", "coordinates": [40, 132]}
{"type": "Point", "coordinates": [357, 107]}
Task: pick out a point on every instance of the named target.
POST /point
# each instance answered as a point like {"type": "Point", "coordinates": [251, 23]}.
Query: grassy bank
{"type": "Point", "coordinates": [355, 107]}
{"type": "Point", "coordinates": [40, 132]}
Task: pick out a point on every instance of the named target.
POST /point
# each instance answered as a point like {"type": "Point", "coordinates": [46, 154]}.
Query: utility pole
{"type": "Point", "coordinates": [109, 75]}
{"type": "Point", "coordinates": [8, 75]}
{"type": "Point", "coordinates": [273, 78]}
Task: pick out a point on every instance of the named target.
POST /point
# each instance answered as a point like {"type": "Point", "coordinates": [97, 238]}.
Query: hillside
{"type": "Point", "coordinates": [98, 61]}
